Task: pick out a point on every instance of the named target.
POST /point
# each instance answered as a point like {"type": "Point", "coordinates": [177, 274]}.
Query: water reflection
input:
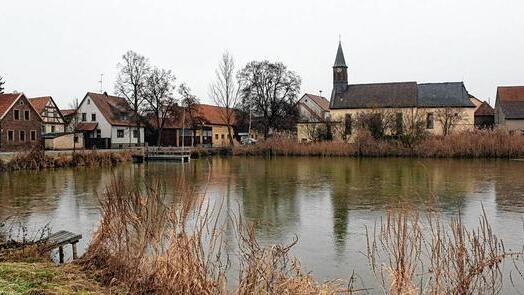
{"type": "Point", "coordinates": [326, 202]}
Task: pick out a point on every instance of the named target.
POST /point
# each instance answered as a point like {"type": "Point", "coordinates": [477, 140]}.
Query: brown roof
{"type": "Point", "coordinates": [68, 112]}
{"type": "Point", "coordinates": [322, 102]}
{"type": "Point", "coordinates": [511, 101]}
{"type": "Point", "coordinates": [485, 110]}
{"type": "Point", "coordinates": [213, 115]}
{"type": "Point", "coordinates": [379, 95]}
{"type": "Point", "coordinates": [86, 126]}
{"type": "Point", "coordinates": [207, 114]}
{"type": "Point", "coordinates": [6, 101]}
{"type": "Point", "coordinates": [112, 107]}
{"type": "Point", "coordinates": [39, 103]}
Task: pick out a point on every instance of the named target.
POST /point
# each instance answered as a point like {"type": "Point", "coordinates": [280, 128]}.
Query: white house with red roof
{"type": "Point", "coordinates": [313, 108]}
{"type": "Point", "coordinates": [107, 122]}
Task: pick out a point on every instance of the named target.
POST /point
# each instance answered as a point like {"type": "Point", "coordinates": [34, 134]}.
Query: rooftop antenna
{"type": "Point", "coordinates": [101, 83]}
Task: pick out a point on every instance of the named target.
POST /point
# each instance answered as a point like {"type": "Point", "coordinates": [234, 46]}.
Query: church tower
{"type": "Point", "coordinates": [340, 72]}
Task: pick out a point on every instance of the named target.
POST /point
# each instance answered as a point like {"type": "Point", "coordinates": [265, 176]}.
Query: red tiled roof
{"type": "Point", "coordinates": [511, 101]}
{"type": "Point", "coordinates": [39, 103]}
{"type": "Point", "coordinates": [485, 110]}
{"type": "Point", "coordinates": [322, 102]}
{"type": "Point", "coordinates": [207, 114]}
{"type": "Point", "coordinates": [86, 126]}
{"type": "Point", "coordinates": [112, 107]}
{"type": "Point", "coordinates": [214, 115]}
{"type": "Point", "coordinates": [510, 93]}
{"type": "Point", "coordinates": [68, 112]}
{"type": "Point", "coordinates": [6, 101]}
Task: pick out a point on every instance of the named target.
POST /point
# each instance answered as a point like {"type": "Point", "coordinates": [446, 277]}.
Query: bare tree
{"type": "Point", "coordinates": [2, 82]}
{"type": "Point", "coordinates": [225, 91]}
{"type": "Point", "coordinates": [159, 98]}
{"type": "Point", "coordinates": [448, 119]}
{"type": "Point", "coordinates": [270, 90]}
{"type": "Point", "coordinates": [73, 124]}
{"type": "Point", "coordinates": [131, 83]}
{"type": "Point", "coordinates": [190, 112]}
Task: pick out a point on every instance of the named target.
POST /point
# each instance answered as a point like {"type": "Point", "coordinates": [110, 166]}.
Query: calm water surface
{"type": "Point", "coordinates": [325, 202]}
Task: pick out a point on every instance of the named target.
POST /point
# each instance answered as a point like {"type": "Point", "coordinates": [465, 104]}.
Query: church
{"type": "Point", "coordinates": [439, 107]}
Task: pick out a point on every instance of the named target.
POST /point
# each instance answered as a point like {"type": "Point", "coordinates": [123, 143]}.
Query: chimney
{"type": "Point", "coordinates": [105, 93]}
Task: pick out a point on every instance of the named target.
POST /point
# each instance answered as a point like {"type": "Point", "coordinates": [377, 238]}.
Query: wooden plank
{"type": "Point", "coordinates": [61, 238]}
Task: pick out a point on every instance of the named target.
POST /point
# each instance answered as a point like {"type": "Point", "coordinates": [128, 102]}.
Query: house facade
{"type": "Point", "coordinates": [106, 122]}
{"type": "Point", "coordinates": [401, 104]}
{"type": "Point", "coordinates": [50, 114]}
{"type": "Point", "coordinates": [20, 123]}
{"type": "Point", "coordinates": [509, 109]}
{"type": "Point", "coordinates": [313, 108]}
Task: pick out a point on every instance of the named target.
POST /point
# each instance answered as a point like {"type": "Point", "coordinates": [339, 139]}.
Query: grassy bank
{"type": "Point", "coordinates": [36, 159]}
{"type": "Point", "coordinates": [46, 278]}
{"type": "Point", "coordinates": [474, 144]}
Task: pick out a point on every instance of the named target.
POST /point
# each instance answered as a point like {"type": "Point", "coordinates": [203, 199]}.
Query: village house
{"type": "Point", "coordinates": [207, 128]}
{"type": "Point", "coordinates": [106, 121]}
{"type": "Point", "coordinates": [440, 107]}
{"type": "Point", "coordinates": [509, 109]}
{"type": "Point", "coordinates": [20, 123]}
{"type": "Point", "coordinates": [313, 108]}
{"type": "Point", "coordinates": [54, 134]}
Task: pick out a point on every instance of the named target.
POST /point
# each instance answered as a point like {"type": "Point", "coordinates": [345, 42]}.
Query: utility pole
{"type": "Point", "coordinates": [101, 83]}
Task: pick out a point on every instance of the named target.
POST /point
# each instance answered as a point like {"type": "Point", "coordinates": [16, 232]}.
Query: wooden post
{"type": "Point", "coordinates": [61, 254]}
{"type": "Point", "coordinates": [75, 255]}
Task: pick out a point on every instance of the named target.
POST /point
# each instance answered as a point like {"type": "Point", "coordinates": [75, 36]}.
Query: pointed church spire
{"type": "Point", "coordinates": [340, 61]}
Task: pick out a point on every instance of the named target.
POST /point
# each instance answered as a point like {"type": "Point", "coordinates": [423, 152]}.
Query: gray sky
{"type": "Point", "coordinates": [60, 48]}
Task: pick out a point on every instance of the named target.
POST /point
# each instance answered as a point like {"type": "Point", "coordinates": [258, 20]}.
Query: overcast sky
{"type": "Point", "coordinates": [60, 48]}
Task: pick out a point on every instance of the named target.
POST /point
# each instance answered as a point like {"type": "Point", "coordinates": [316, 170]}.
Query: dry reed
{"type": "Point", "coordinates": [409, 256]}
{"type": "Point", "coordinates": [471, 144]}
{"type": "Point", "coordinates": [148, 243]}
{"type": "Point", "coordinates": [36, 159]}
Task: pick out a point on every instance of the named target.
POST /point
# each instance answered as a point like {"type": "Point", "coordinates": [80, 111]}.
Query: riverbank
{"type": "Point", "coordinates": [38, 159]}
{"type": "Point", "coordinates": [474, 144]}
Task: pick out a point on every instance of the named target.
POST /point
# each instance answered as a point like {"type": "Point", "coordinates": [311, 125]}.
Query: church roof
{"type": "Point", "coordinates": [449, 94]}
{"type": "Point", "coordinates": [340, 61]}
{"type": "Point", "coordinates": [378, 95]}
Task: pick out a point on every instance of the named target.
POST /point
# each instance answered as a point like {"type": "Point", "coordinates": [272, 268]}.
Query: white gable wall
{"type": "Point", "coordinates": [88, 106]}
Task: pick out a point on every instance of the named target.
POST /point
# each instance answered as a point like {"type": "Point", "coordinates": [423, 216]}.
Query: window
{"type": "Point", "coordinates": [22, 135]}
{"type": "Point", "coordinates": [135, 133]}
{"type": "Point", "coordinates": [26, 115]}
{"type": "Point", "coordinates": [430, 121]}
{"type": "Point", "coordinates": [16, 114]}
{"type": "Point", "coordinates": [20, 102]}
{"type": "Point", "coordinates": [53, 129]}
{"type": "Point", "coordinates": [347, 124]}
{"type": "Point", "coordinates": [10, 135]}
{"type": "Point", "coordinates": [123, 116]}
{"type": "Point", "coordinates": [93, 117]}
{"type": "Point", "coordinates": [76, 138]}
{"type": "Point", "coordinates": [222, 136]}
{"type": "Point", "coordinates": [98, 133]}
{"type": "Point", "coordinates": [399, 123]}
{"type": "Point", "coordinates": [120, 133]}
{"type": "Point", "coordinates": [216, 136]}
{"type": "Point", "coordinates": [84, 117]}
{"type": "Point", "coordinates": [33, 135]}
{"type": "Point", "coordinates": [88, 101]}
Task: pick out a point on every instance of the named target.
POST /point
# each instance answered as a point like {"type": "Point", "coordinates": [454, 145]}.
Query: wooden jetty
{"type": "Point", "coordinates": [59, 240]}
{"type": "Point", "coordinates": [163, 154]}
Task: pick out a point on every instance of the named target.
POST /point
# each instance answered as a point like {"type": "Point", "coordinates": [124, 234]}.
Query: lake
{"type": "Point", "coordinates": [326, 202]}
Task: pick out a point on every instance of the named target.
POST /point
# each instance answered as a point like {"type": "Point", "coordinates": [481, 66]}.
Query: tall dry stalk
{"type": "Point", "coordinates": [148, 242]}
{"type": "Point", "coordinates": [412, 257]}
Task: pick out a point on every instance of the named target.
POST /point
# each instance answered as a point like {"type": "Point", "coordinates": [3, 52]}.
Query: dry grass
{"type": "Point", "coordinates": [409, 256]}
{"type": "Point", "coordinates": [36, 159]}
{"type": "Point", "coordinates": [474, 144]}
{"type": "Point", "coordinates": [148, 243]}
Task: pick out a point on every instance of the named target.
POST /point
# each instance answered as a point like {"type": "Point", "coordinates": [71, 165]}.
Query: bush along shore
{"type": "Point", "coordinates": [36, 159]}
{"type": "Point", "coordinates": [473, 144]}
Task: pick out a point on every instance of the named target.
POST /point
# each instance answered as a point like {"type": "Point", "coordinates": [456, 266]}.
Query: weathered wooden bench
{"type": "Point", "coordinates": [60, 239]}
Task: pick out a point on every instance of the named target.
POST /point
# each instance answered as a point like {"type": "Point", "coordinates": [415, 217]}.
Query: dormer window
{"type": "Point", "coordinates": [123, 116]}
